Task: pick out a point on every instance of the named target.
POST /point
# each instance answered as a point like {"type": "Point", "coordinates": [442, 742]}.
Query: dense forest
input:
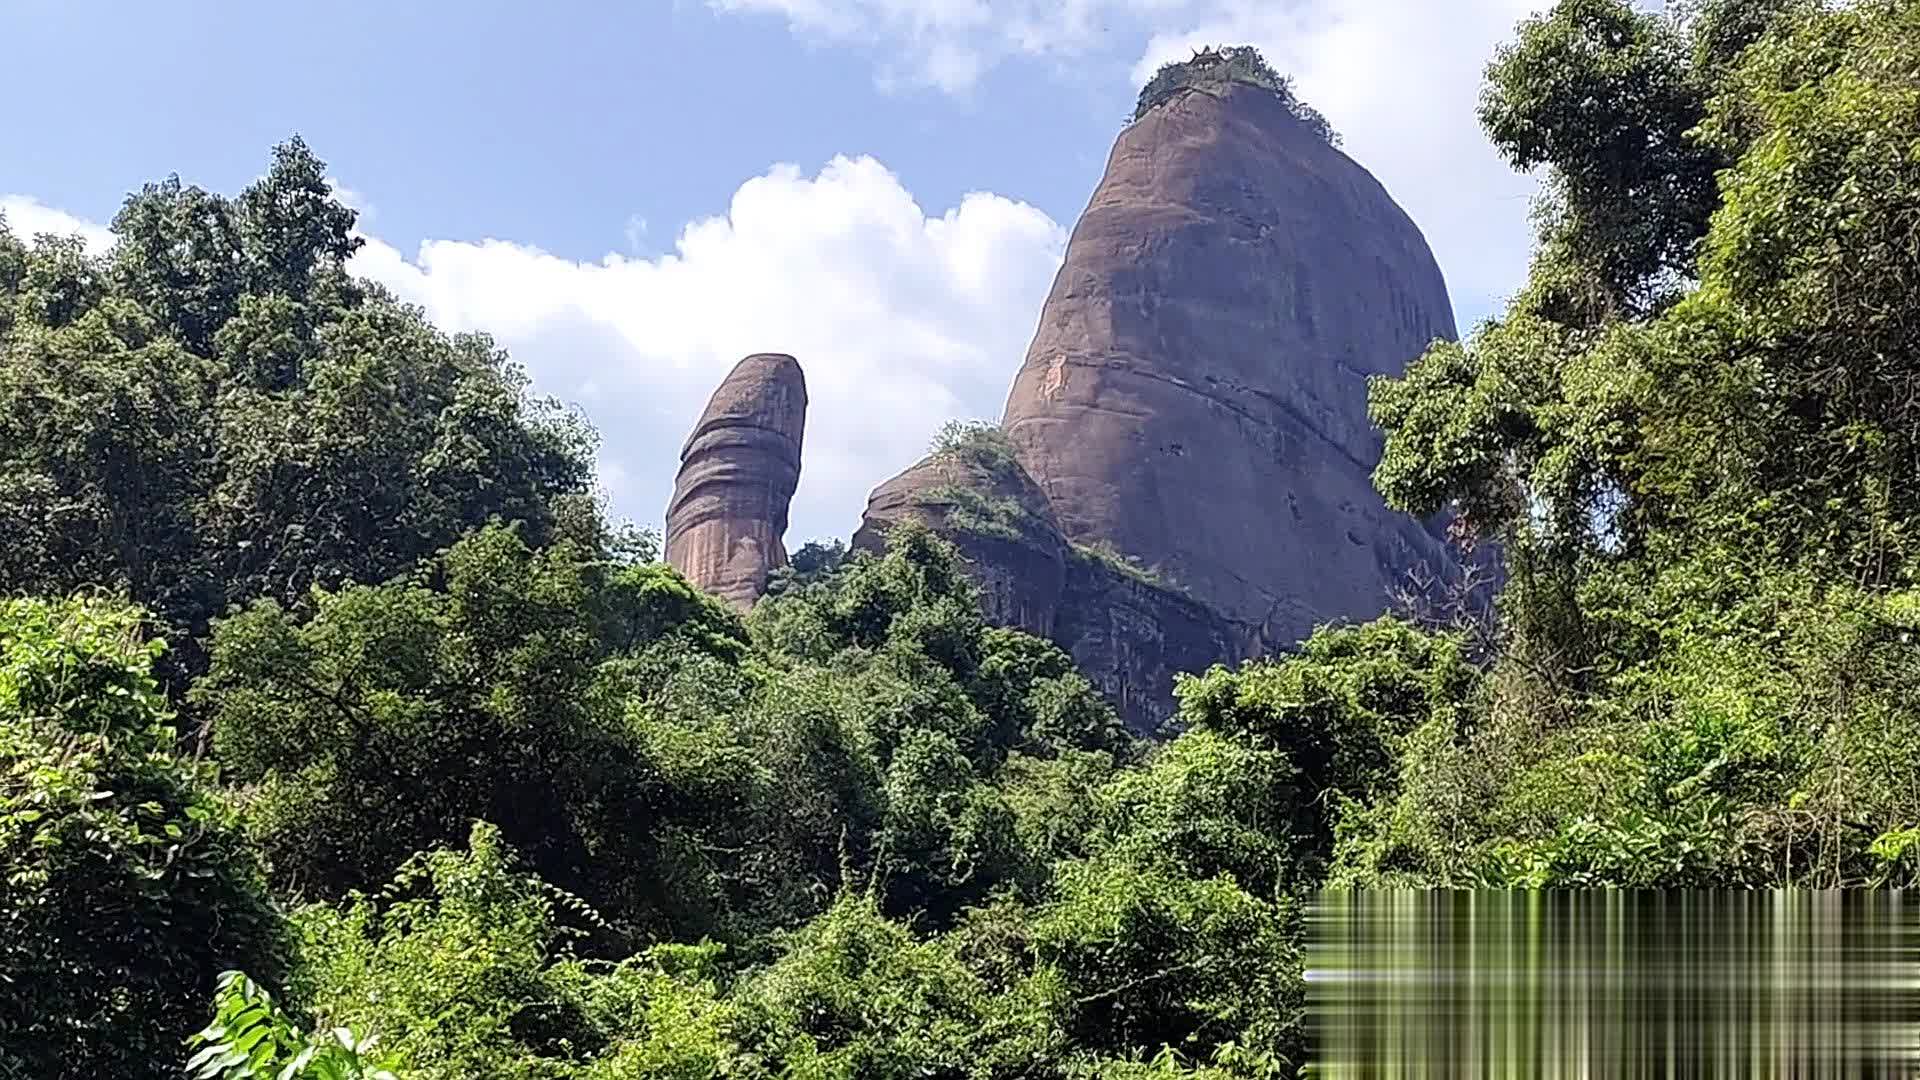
{"type": "Point", "coordinates": [341, 727]}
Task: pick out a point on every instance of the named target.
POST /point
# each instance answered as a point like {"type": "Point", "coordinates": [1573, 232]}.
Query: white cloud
{"type": "Point", "coordinates": [1398, 78]}
{"type": "Point", "coordinates": [902, 321]}
{"type": "Point", "coordinates": [27, 217]}
{"type": "Point", "coordinates": [949, 43]}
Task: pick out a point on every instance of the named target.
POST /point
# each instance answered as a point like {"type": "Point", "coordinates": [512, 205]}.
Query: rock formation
{"type": "Point", "coordinates": [727, 522]}
{"type": "Point", "coordinates": [982, 500]}
{"type": "Point", "coordinates": [1127, 629]}
{"type": "Point", "coordinates": [1131, 633]}
{"type": "Point", "coordinates": [1194, 401]}
{"type": "Point", "coordinates": [1196, 392]}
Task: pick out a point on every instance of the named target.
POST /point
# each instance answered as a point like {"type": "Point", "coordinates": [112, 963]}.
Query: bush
{"type": "Point", "coordinates": [251, 1039]}
{"type": "Point", "coordinates": [978, 442]}
{"type": "Point", "coordinates": [499, 683]}
{"type": "Point", "coordinates": [1214, 70]}
{"type": "Point", "coordinates": [126, 886]}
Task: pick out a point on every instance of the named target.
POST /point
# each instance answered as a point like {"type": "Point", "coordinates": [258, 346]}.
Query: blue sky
{"type": "Point", "coordinates": [632, 195]}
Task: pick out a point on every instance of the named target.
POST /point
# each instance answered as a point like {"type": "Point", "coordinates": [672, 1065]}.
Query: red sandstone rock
{"type": "Point", "coordinates": [1195, 399]}
{"type": "Point", "coordinates": [1195, 394]}
{"type": "Point", "coordinates": [998, 518]}
{"type": "Point", "coordinates": [1126, 630]}
{"type": "Point", "coordinates": [727, 521]}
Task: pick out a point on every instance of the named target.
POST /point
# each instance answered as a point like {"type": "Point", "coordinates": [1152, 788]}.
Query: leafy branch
{"type": "Point", "coordinates": [250, 1037]}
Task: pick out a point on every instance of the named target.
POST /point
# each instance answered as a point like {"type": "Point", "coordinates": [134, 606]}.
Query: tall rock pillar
{"type": "Point", "coordinates": [727, 522]}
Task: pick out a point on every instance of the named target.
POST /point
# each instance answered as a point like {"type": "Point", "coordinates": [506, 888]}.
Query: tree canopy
{"type": "Point", "coordinates": [489, 792]}
{"type": "Point", "coordinates": [215, 411]}
{"type": "Point", "coordinates": [1692, 437]}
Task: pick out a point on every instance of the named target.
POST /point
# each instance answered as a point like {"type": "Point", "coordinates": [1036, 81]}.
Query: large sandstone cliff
{"type": "Point", "coordinates": [1194, 402]}
{"type": "Point", "coordinates": [727, 522]}
{"type": "Point", "coordinates": [1195, 394]}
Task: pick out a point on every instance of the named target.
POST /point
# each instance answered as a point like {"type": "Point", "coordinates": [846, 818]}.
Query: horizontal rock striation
{"type": "Point", "coordinates": [727, 522]}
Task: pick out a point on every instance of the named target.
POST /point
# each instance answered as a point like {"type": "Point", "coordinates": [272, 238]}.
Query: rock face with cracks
{"type": "Point", "coordinates": [727, 522]}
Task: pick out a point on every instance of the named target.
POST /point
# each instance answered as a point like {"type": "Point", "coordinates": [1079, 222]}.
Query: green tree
{"type": "Point", "coordinates": [1606, 96]}
{"type": "Point", "coordinates": [501, 683]}
{"type": "Point", "coordinates": [215, 411]}
{"type": "Point", "coordinates": [912, 708]}
{"type": "Point", "coordinates": [1134, 960]}
{"type": "Point", "coordinates": [1692, 438]}
{"type": "Point", "coordinates": [125, 884]}
{"type": "Point", "coordinates": [856, 995]}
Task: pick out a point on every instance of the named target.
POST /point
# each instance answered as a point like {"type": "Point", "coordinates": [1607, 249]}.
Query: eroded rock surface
{"type": "Point", "coordinates": [995, 514]}
{"type": "Point", "coordinates": [727, 522]}
{"type": "Point", "coordinates": [1196, 392]}
{"type": "Point", "coordinates": [1131, 635]}
{"type": "Point", "coordinates": [1190, 422]}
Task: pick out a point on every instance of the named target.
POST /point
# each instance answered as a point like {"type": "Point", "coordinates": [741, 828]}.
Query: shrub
{"type": "Point", "coordinates": [1215, 69]}
{"type": "Point", "coordinates": [126, 887]}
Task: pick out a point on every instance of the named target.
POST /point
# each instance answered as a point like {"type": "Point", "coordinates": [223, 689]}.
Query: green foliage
{"type": "Point", "coordinates": [1274, 752]}
{"type": "Point", "coordinates": [985, 499]}
{"type": "Point", "coordinates": [1208, 806]}
{"type": "Point", "coordinates": [857, 996]}
{"type": "Point", "coordinates": [816, 559]}
{"type": "Point", "coordinates": [1103, 553]}
{"type": "Point", "coordinates": [861, 833]}
{"type": "Point", "coordinates": [977, 442]}
{"type": "Point", "coordinates": [251, 1038]}
{"type": "Point", "coordinates": [461, 966]}
{"type": "Point", "coordinates": [1038, 702]}
{"type": "Point", "coordinates": [1213, 70]}
{"type": "Point", "coordinates": [1135, 959]}
{"type": "Point", "coordinates": [1692, 438]}
{"type": "Point", "coordinates": [533, 670]}
{"type": "Point", "coordinates": [1605, 95]}
{"type": "Point", "coordinates": [216, 412]}
{"type": "Point", "coordinates": [911, 709]}
{"type": "Point", "coordinates": [969, 510]}
{"type": "Point", "coordinates": [125, 886]}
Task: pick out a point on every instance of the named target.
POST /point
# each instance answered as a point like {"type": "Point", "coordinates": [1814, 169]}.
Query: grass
{"type": "Point", "coordinates": [1104, 553]}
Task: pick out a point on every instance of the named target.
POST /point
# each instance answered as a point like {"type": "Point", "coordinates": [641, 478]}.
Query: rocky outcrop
{"type": "Point", "coordinates": [1194, 402]}
{"type": "Point", "coordinates": [1131, 634]}
{"type": "Point", "coordinates": [1128, 630]}
{"type": "Point", "coordinates": [1195, 394]}
{"type": "Point", "coordinates": [991, 510]}
{"type": "Point", "coordinates": [727, 522]}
